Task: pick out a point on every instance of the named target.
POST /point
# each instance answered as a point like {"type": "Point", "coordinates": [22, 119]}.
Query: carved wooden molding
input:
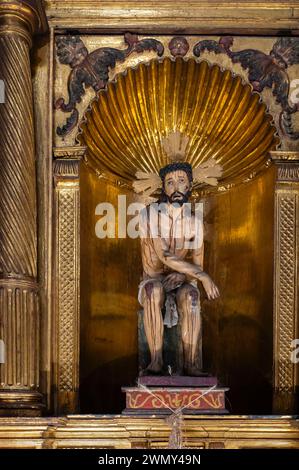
{"type": "Point", "coordinates": [164, 16]}
{"type": "Point", "coordinates": [67, 276]}
{"type": "Point", "coordinates": [284, 155]}
{"type": "Point", "coordinates": [127, 432]}
{"type": "Point", "coordinates": [69, 153]}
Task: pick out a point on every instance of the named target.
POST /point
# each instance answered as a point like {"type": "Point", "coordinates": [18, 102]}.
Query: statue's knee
{"type": "Point", "coordinates": [194, 295]}
{"type": "Point", "coordinates": [189, 293]}
{"type": "Point", "coordinates": [153, 289]}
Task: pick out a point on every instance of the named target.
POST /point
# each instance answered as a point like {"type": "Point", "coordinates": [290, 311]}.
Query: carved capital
{"type": "Point", "coordinates": [22, 17]}
{"type": "Point", "coordinates": [67, 165]}
{"type": "Point", "coordinates": [287, 164]}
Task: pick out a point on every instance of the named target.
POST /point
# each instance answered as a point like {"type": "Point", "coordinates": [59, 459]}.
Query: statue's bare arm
{"type": "Point", "coordinates": [193, 270]}
{"type": "Point", "coordinates": [209, 286]}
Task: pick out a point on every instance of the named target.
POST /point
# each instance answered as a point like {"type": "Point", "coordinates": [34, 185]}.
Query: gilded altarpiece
{"type": "Point", "coordinates": [240, 219]}
{"type": "Point", "coordinates": [87, 320]}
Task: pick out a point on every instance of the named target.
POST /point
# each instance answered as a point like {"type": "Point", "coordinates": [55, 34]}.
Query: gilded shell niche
{"type": "Point", "coordinates": [221, 114]}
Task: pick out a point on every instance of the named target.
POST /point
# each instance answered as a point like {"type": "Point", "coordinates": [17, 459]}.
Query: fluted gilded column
{"type": "Point", "coordinates": [19, 313]}
{"type": "Point", "coordinates": [286, 274]}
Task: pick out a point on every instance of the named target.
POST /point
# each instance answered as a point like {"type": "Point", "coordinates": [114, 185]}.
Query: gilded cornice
{"type": "Point", "coordinates": [268, 17]}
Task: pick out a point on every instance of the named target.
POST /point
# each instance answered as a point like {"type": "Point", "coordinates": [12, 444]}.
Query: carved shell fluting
{"type": "Point", "coordinates": [222, 116]}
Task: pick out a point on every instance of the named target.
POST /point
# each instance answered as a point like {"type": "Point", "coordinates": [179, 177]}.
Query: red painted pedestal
{"type": "Point", "coordinates": [164, 395]}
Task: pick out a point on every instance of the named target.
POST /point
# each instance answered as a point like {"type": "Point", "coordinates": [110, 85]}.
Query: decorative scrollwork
{"type": "Point", "coordinates": [264, 71]}
{"type": "Point", "coordinates": [92, 69]}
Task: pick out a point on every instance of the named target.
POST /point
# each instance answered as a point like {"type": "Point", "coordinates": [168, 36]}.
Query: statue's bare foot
{"type": "Point", "coordinates": [154, 368]}
{"type": "Point", "coordinates": [194, 372]}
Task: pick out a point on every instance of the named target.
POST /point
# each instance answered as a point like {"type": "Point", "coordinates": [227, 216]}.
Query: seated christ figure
{"type": "Point", "coordinates": [172, 255]}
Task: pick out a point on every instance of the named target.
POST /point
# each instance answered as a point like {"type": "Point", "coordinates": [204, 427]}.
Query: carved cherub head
{"type": "Point", "coordinates": [71, 50]}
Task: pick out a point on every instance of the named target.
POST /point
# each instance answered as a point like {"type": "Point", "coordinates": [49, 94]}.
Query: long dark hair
{"type": "Point", "coordinates": [183, 166]}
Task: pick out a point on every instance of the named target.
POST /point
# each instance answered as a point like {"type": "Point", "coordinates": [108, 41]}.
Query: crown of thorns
{"type": "Point", "coordinates": [174, 146]}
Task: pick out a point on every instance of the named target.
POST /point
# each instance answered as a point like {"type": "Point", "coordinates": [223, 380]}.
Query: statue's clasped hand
{"type": "Point", "coordinates": [173, 281]}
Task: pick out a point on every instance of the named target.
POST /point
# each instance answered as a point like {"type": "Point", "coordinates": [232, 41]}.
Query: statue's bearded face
{"type": "Point", "coordinates": [177, 187]}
